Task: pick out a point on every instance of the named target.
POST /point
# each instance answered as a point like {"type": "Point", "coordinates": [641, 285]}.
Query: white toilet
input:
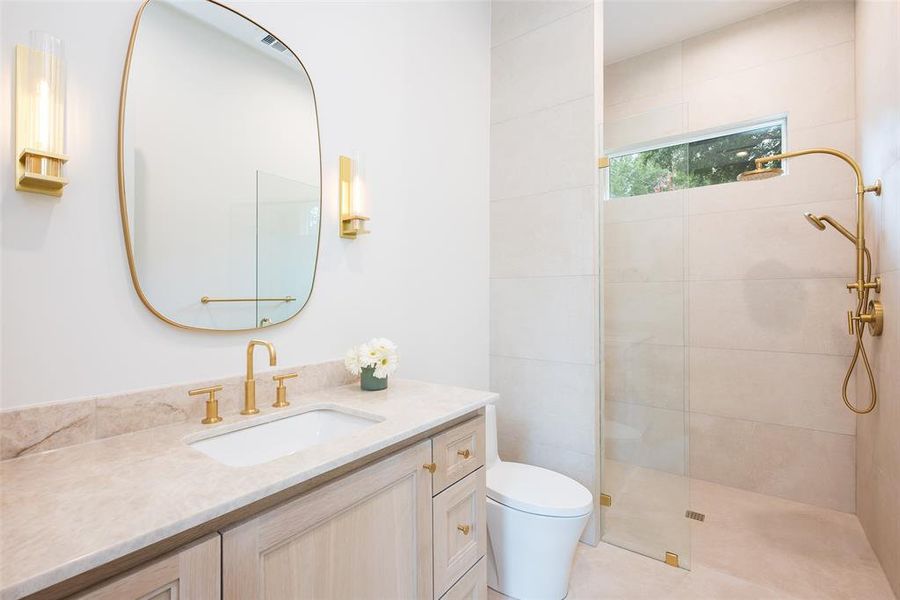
{"type": "Point", "coordinates": [534, 519]}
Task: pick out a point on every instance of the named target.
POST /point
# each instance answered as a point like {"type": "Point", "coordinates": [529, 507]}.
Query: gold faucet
{"type": "Point", "coordinates": [250, 381]}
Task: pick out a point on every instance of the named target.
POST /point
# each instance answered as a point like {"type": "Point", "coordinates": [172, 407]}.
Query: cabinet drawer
{"type": "Point", "coordinates": [460, 533]}
{"type": "Point", "coordinates": [457, 452]}
{"type": "Point", "coordinates": [472, 585]}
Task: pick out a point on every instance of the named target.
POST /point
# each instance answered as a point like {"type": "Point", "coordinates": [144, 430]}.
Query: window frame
{"type": "Point", "coordinates": [699, 136]}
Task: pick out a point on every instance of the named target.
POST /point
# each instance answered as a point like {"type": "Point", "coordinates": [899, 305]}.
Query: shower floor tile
{"type": "Point", "coordinates": [751, 546]}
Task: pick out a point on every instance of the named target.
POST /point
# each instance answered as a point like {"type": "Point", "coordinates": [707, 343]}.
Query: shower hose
{"type": "Point", "coordinates": [860, 351]}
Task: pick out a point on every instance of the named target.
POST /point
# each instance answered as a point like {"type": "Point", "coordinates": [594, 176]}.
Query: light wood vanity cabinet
{"type": "Point", "coordinates": [191, 573]}
{"type": "Point", "coordinates": [411, 525]}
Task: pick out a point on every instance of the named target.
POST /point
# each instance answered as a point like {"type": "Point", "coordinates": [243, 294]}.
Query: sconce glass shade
{"type": "Point", "coordinates": [353, 196]}
{"type": "Point", "coordinates": [40, 115]}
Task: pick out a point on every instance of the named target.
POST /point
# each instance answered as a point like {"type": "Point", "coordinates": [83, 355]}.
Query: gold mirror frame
{"type": "Point", "coordinates": [120, 160]}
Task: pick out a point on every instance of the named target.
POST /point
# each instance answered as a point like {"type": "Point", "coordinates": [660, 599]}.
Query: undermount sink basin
{"type": "Point", "coordinates": [273, 439]}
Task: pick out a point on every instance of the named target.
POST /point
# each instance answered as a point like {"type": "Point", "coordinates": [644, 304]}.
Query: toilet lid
{"type": "Point", "coordinates": [537, 490]}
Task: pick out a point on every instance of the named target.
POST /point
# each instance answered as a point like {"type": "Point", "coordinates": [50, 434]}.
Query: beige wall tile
{"type": "Point", "coordinates": [782, 315]}
{"type": "Point", "coordinates": [644, 250]}
{"type": "Point", "coordinates": [795, 29]}
{"type": "Point", "coordinates": [645, 75]}
{"type": "Point", "coordinates": [544, 67]}
{"type": "Point", "coordinates": [544, 388]}
{"type": "Point", "coordinates": [645, 128]}
{"type": "Point", "coordinates": [512, 18]}
{"type": "Point", "coordinates": [770, 243]}
{"type": "Point", "coordinates": [648, 374]}
{"type": "Point", "coordinates": [645, 436]}
{"type": "Point", "coordinates": [544, 151]}
{"type": "Point", "coordinates": [814, 89]}
{"type": "Point", "coordinates": [546, 234]}
{"type": "Point", "coordinates": [46, 427]}
{"type": "Point", "coordinates": [642, 208]}
{"type": "Point", "coordinates": [809, 466]}
{"type": "Point", "coordinates": [799, 390]}
{"type": "Point", "coordinates": [645, 312]}
{"type": "Point", "coordinates": [547, 318]}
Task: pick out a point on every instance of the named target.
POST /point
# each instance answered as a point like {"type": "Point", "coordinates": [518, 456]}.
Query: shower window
{"type": "Point", "coordinates": [693, 163]}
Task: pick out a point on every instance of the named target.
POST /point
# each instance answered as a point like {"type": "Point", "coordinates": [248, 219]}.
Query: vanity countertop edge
{"type": "Point", "coordinates": [71, 510]}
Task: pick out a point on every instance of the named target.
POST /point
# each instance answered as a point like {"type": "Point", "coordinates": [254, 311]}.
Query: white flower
{"type": "Point", "coordinates": [380, 353]}
{"type": "Point", "coordinates": [368, 355]}
{"type": "Point", "coordinates": [351, 360]}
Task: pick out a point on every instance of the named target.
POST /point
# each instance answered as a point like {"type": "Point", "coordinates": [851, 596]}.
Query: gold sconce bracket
{"type": "Point", "coordinates": [353, 226]}
{"type": "Point", "coordinates": [875, 187]}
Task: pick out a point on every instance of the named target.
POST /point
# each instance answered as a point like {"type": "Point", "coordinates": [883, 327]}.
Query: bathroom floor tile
{"type": "Point", "coordinates": [750, 547]}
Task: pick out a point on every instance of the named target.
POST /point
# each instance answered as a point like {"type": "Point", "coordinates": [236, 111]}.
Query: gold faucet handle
{"type": "Point", "coordinates": [280, 378]}
{"type": "Point", "coordinates": [281, 390]}
{"type": "Point", "coordinates": [212, 403]}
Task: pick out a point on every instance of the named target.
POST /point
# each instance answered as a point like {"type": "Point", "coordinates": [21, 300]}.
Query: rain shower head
{"type": "Point", "coordinates": [815, 221]}
{"type": "Point", "coordinates": [760, 174]}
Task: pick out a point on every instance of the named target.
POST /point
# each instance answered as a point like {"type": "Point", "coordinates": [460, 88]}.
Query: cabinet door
{"type": "Point", "coordinates": [460, 530]}
{"type": "Point", "coordinates": [190, 574]}
{"type": "Point", "coordinates": [366, 535]}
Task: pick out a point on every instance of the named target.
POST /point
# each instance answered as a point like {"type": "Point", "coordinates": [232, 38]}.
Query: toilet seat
{"type": "Point", "coordinates": [537, 490]}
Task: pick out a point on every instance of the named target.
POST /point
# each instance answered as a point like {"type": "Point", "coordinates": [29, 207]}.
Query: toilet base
{"type": "Point", "coordinates": [530, 556]}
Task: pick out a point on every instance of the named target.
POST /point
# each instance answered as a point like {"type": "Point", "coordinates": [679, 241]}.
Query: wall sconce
{"type": "Point", "coordinates": [40, 115]}
{"type": "Point", "coordinates": [352, 197]}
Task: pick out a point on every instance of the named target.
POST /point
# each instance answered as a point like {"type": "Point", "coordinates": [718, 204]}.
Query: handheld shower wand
{"type": "Point", "coordinates": [868, 312]}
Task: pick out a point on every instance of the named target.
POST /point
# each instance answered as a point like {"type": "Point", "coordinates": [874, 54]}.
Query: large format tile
{"type": "Point", "coordinates": [813, 89]}
{"type": "Point", "coordinates": [645, 436]}
{"type": "Point", "coordinates": [544, 151]}
{"type": "Point", "coordinates": [795, 29]}
{"type": "Point", "coordinates": [809, 466]}
{"type": "Point", "coordinates": [543, 68]}
{"type": "Point", "coordinates": [799, 390]}
{"type": "Point", "coordinates": [628, 255]}
{"type": "Point", "coordinates": [512, 18]}
{"type": "Point", "coordinates": [798, 550]}
{"type": "Point", "coordinates": [545, 234]}
{"type": "Point", "coordinates": [648, 374]}
{"type": "Point", "coordinates": [645, 312]}
{"type": "Point", "coordinates": [645, 75]}
{"type": "Point", "coordinates": [541, 387]}
{"type": "Point", "coordinates": [782, 315]}
{"type": "Point", "coordinates": [547, 318]}
{"type": "Point", "coordinates": [645, 128]}
{"type": "Point", "coordinates": [642, 208]}
{"type": "Point", "coordinates": [770, 243]}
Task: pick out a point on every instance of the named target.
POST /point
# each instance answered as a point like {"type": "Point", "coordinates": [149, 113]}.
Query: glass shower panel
{"type": "Point", "coordinates": [644, 413]}
{"type": "Point", "coordinates": [288, 236]}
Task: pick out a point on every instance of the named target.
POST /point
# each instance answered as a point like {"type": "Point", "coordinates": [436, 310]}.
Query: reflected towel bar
{"type": "Point", "coordinates": [207, 299]}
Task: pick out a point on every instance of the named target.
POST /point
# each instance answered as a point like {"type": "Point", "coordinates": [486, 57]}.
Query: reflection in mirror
{"type": "Point", "coordinates": [220, 175]}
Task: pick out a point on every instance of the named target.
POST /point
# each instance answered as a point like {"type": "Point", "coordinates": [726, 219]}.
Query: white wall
{"type": "Point", "coordinates": [722, 300]}
{"type": "Point", "coordinates": [544, 260]}
{"type": "Point", "coordinates": [406, 83]}
{"type": "Point", "coordinates": [878, 140]}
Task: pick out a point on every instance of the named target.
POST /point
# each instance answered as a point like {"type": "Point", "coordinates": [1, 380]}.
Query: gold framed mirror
{"type": "Point", "coordinates": [219, 167]}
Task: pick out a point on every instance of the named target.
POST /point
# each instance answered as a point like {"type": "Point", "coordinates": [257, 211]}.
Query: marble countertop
{"type": "Point", "coordinates": [67, 511]}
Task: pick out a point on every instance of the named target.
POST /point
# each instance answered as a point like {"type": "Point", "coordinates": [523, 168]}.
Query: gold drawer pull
{"type": "Point", "coordinates": [464, 528]}
{"type": "Point", "coordinates": [464, 453]}
{"type": "Point", "coordinates": [430, 467]}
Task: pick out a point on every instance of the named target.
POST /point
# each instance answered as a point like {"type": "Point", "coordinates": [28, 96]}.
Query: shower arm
{"type": "Point", "coordinates": [860, 285]}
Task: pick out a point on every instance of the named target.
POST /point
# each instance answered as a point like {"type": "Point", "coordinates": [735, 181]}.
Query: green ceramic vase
{"type": "Point", "coordinates": [369, 382]}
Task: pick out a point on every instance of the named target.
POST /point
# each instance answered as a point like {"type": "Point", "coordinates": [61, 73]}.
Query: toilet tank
{"type": "Point", "coordinates": [490, 433]}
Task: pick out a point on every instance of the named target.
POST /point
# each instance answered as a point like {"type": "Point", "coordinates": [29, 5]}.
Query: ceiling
{"type": "Point", "coordinates": [632, 27]}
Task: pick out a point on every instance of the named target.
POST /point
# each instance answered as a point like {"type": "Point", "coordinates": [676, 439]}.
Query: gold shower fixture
{"type": "Point", "coordinates": [868, 312]}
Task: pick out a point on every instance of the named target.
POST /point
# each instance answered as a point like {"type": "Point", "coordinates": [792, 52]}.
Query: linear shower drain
{"type": "Point", "coordinates": [690, 514]}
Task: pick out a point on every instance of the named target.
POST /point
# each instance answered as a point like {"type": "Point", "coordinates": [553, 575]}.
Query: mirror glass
{"type": "Point", "coordinates": [219, 166]}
